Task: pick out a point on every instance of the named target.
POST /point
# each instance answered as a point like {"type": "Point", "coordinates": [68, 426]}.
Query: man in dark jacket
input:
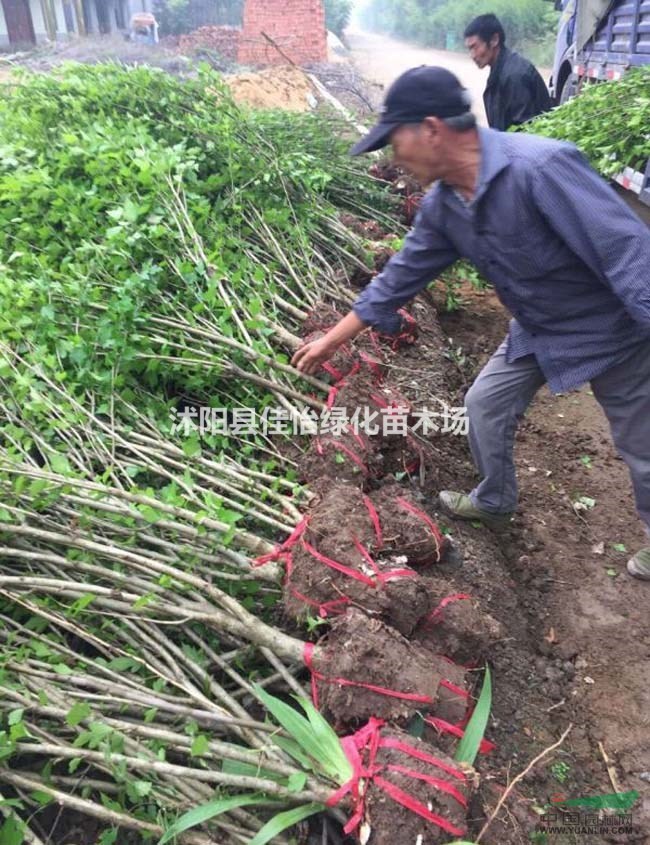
{"type": "Point", "coordinates": [515, 91]}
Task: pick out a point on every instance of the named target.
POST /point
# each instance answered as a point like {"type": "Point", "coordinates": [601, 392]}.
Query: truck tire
{"type": "Point", "coordinates": [569, 89]}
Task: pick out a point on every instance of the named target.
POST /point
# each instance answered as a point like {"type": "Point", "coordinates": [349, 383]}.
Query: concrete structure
{"type": "Point", "coordinates": [24, 23]}
{"type": "Point", "coordinates": [27, 22]}
{"type": "Point", "coordinates": [296, 26]}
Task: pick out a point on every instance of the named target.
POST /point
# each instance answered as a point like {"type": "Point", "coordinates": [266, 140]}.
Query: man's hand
{"type": "Point", "coordinates": [309, 358]}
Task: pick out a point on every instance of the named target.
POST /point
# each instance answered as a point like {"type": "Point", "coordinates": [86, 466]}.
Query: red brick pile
{"type": "Point", "coordinates": [224, 40]}
{"type": "Point", "coordinates": [296, 26]}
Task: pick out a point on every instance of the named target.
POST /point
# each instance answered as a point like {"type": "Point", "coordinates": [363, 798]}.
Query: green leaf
{"type": "Point", "coordinates": [150, 715]}
{"type": "Point", "coordinates": [82, 603]}
{"type": "Point", "coordinates": [200, 745]}
{"type": "Point", "coordinates": [205, 812]}
{"type": "Point", "coordinates": [237, 767]}
{"type": "Point", "coordinates": [15, 716]}
{"type": "Point", "coordinates": [41, 797]}
{"type": "Point", "coordinates": [142, 787]}
{"type": "Point", "coordinates": [297, 781]}
{"type": "Point", "coordinates": [292, 748]}
{"type": "Point", "coordinates": [330, 750]}
{"type": "Point", "coordinates": [123, 664]}
{"type": "Point", "coordinates": [619, 547]}
{"type": "Point", "coordinates": [282, 821]}
{"type": "Point", "coordinates": [77, 713]}
{"type": "Point", "coordinates": [109, 837]}
{"type": "Point", "coordinates": [59, 463]}
{"type": "Point", "coordinates": [469, 745]}
{"type": "Point", "coordinates": [11, 832]}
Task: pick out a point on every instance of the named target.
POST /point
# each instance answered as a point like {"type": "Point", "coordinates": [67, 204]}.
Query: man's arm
{"type": "Point", "coordinates": [597, 226]}
{"type": "Point", "coordinates": [425, 254]}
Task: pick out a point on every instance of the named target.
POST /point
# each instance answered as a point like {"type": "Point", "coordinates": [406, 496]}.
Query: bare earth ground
{"type": "Point", "coordinates": [590, 620]}
{"type": "Point", "coordinates": [590, 617]}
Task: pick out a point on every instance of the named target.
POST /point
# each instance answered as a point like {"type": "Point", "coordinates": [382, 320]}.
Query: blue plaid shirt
{"type": "Point", "coordinates": [565, 255]}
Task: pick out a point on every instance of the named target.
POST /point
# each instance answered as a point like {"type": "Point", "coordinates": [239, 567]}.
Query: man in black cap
{"type": "Point", "coordinates": [565, 256]}
{"type": "Point", "coordinates": [515, 91]}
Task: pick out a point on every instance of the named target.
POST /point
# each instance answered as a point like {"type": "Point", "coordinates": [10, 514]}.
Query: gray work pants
{"type": "Point", "coordinates": [502, 392]}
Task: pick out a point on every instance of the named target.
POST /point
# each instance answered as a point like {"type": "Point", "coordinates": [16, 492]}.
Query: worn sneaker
{"type": "Point", "coordinates": [639, 565]}
{"type": "Point", "coordinates": [460, 506]}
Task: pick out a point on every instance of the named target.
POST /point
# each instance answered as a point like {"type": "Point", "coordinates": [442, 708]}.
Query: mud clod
{"type": "Point", "coordinates": [366, 651]}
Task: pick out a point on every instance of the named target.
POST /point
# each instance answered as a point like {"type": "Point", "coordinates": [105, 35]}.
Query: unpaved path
{"type": "Point", "coordinates": [382, 59]}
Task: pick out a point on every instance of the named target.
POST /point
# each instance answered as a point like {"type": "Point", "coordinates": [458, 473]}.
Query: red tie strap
{"type": "Point", "coordinates": [442, 726]}
{"type": "Point", "coordinates": [436, 614]}
{"type": "Point", "coordinates": [366, 742]}
{"type": "Point", "coordinates": [417, 698]}
{"type": "Point", "coordinates": [283, 551]}
{"type": "Point", "coordinates": [374, 517]}
{"type": "Point", "coordinates": [437, 536]}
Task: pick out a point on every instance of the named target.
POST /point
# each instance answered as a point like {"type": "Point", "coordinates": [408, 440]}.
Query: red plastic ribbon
{"type": "Point", "coordinates": [331, 370]}
{"type": "Point", "coordinates": [349, 452]}
{"type": "Point", "coordinates": [437, 536]}
{"type": "Point", "coordinates": [281, 551]}
{"type": "Point", "coordinates": [308, 657]}
{"type": "Point", "coordinates": [442, 726]}
{"type": "Point", "coordinates": [369, 740]}
{"type": "Point", "coordinates": [373, 365]}
{"type": "Point", "coordinates": [374, 517]}
{"type": "Point", "coordinates": [436, 614]}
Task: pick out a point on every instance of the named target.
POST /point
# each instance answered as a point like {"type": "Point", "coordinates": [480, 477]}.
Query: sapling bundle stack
{"type": "Point", "coordinates": [161, 253]}
{"type": "Point", "coordinates": [608, 121]}
{"type": "Point", "coordinates": [159, 250]}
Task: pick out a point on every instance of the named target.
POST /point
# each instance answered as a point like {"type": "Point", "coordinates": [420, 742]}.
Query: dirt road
{"type": "Point", "coordinates": [382, 59]}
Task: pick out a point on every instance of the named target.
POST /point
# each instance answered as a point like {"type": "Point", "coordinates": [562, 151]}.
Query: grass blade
{"type": "Point", "coordinates": [295, 725]}
{"type": "Point", "coordinates": [284, 820]}
{"type": "Point", "coordinates": [207, 811]}
{"type": "Point", "coordinates": [333, 756]}
{"type": "Point", "coordinates": [470, 743]}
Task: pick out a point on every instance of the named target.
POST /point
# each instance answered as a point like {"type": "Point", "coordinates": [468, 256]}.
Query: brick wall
{"type": "Point", "coordinates": [297, 26]}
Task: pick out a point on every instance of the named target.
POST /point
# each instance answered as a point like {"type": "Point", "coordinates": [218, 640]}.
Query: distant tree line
{"type": "Point", "coordinates": [177, 16]}
{"type": "Point", "coordinates": [440, 23]}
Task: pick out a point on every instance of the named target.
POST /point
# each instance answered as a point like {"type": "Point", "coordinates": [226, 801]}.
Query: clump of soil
{"type": "Point", "coordinates": [348, 457]}
{"type": "Point", "coordinates": [365, 651]}
{"type": "Point", "coordinates": [366, 228]}
{"type": "Point", "coordinates": [389, 821]}
{"type": "Point", "coordinates": [314, 587]}
{"type": "Point", "coordinates": [400, 457]}
{"type": "Point", "coordinates": [457, 628]}
{"type": "Point", "coordinates": [344, 531]}
{"type": "Point", "coordinates": [402, 184]}
{"type": "Point", "coordinates": [340, 516]}
{"type": "Point", "coordinates": [282, 87]}
{"type": "Point", "coordinates": [321, 318]}
{"type": "Point", "coordinates": [406, 528]}
{"type": "Point", "coordinates": [377, 409]}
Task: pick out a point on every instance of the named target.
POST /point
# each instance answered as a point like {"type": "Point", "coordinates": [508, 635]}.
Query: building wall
{"type": "Point", "coordinates": [38, 22]}
{"type": "Point", "coordinates": [297, 26]}
{"type": "Point", "coordinates": [4, 34]}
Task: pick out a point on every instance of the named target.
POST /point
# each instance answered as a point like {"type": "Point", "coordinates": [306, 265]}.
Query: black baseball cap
{"type": "Point", "coordinates": [418, 93]}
